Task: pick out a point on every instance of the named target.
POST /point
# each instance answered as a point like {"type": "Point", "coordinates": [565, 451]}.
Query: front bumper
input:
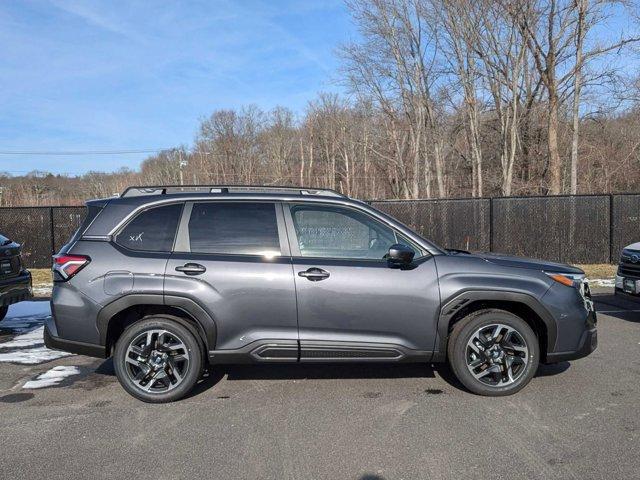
{"type": "Point", "coordinates": [630, 296]}
{"type": "Point", "coordinates": [15, 289]}
{"type": "Point", "coordinates": [588, 343]}
{"type": "Point", "coordinates": [619, 290]}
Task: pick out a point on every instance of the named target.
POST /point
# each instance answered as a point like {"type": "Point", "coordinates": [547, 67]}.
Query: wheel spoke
{"type": "Point", "coordinates": [496, 334]}
{"type": "Point", "coordinates": [477, 363]}
{"type": "Point", "coordinates": [174, 372]}
{"type": "Point", "coordinates": [133, 361]}
{"type": "Point", "coordinates": [487, 371]}
{"type": "Point", "coordinates": [508, 362]}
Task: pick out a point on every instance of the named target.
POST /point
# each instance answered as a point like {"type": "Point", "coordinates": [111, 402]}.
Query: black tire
{"type": "Point", "coordinates": [457, 351]}
{"type": "Point", "coordinates": [192, 370]}
{"type": "Point", "coordinates": [3, 311]}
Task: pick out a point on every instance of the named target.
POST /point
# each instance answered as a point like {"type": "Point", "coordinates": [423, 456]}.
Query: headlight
{"type": "Point", "coordinates": [568, 279]}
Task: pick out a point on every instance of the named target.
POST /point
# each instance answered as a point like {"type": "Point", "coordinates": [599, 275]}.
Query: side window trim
{"type": "Point", "coordinates": [293, 236]}
{"type": "Point", "coordinates": [294, 246]}
{"type": "Point", "coordinates": [285, 250]}
{"type": "Point", "coordinates": [183, 241]}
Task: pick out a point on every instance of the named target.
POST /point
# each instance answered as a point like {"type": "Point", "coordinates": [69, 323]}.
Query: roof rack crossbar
{"type": "Point", "coordinates": [143, 190]}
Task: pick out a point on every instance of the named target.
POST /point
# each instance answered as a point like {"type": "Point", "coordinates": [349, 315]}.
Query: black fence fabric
{"type": "Point", "coordinates": [463, 224]}
{"type": "Point", "coordinates": [573, 229]}
{"type": "Point", "coordinates": [42, 231]}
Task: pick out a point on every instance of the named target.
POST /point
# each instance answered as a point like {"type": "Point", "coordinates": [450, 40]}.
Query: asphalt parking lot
{"type": "Point", "coordinates": [575, 420]}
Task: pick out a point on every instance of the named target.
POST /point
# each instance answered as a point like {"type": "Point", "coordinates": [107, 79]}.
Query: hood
{"type": "Point", "coordinates": [522, 262]}
{"type": "Point", "coordinates": [633, 246]}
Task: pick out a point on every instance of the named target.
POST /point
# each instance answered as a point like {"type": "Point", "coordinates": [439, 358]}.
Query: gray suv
{"type": "Point", "coordinates": [171, 281]}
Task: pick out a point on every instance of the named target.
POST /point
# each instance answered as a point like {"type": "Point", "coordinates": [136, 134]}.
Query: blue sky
{"type": "Point", "coordinates": [121, 75]}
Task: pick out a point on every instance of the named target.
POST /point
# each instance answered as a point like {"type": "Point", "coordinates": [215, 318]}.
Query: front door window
{"type": "Point", "coordinates": [334, 232]}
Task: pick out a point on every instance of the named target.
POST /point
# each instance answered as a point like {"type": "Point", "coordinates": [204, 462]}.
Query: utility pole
{"type": "Point", "coordinates": [182, 163]}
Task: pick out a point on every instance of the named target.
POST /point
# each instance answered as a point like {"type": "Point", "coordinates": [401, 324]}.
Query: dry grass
{"type": "Point", "coordinates": [41, 276]}
{"type": "Point", "coordinates": [599, 271]}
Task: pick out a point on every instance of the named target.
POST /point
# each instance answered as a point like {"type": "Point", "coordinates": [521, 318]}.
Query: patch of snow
{"type": "Point", "coordinates": [42, 290]}
{"type": "Point", "coordinates": [26, 320]}
{"type": "Point", "coordinates": [34, 337]}
{"type": "Point", "coordinates": [32, 356]}
{"type": "Point", "coordinates": [603, 282]}
{"type": "Point", "coordinates": [52, 377]}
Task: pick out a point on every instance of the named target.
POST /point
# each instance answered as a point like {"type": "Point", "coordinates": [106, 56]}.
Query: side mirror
{"type": "Point", "coordinates": [400, 255]}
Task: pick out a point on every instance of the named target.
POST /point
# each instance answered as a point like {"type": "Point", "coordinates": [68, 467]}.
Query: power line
{"type": "Point", "coordinates": [82, 152]}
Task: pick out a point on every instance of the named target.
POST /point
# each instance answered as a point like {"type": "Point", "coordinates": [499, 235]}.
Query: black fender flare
{"type": "Point", "coordinates": [458, 302]}
{"type": "Point", "coordinates": [205, 323]}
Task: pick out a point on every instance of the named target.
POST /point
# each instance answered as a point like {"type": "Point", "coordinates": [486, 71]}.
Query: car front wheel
{"type": "Point", "coordinates": [157, 360]}
{"type": "Point", "coordinates": [493, 352]}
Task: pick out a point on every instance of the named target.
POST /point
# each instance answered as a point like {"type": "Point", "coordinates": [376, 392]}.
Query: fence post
{"type": "Point", "coordinates": [611, 232]}
{"type": "Point", "coordinates": [52, 232]}
{"type": "Point", "coordinates": [491, 224]}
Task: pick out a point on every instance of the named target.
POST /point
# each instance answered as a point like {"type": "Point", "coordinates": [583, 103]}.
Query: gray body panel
{"type": "Point", "coordinates": [249, 298]}
{"type": "Point", "coordinates": [366, 301]}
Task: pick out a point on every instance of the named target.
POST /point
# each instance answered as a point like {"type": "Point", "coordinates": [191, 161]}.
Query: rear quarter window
{"type": "Point", "coordinates": [153, 230]}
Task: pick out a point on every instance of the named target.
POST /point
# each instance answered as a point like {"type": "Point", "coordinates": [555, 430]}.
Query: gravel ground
{"type": "Point", "coordinates": [575, 420]}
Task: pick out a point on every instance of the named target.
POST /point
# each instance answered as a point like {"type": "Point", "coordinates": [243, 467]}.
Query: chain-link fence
{"type": "Point", "coordinates": [562, 229]}
{"type": "Point", "coordinates": [574, 229]}
{"type": "Point", "coordinates": [40, 230]}
{"type": "Point", "coordinates": [464, 224]}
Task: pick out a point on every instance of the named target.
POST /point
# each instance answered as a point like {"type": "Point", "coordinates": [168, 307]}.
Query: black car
{"type": "Point", "coordinates": [628, 275]}
{"type": "Point", "coordinates": [15, 280]}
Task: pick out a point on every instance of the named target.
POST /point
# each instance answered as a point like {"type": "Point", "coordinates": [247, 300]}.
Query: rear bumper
{"type": "Point", "coordinates": [588, 343]}
{"type": "Point", "coordinates": [15, 289]}
{"type": "Point", "coordinates": [51, 340]}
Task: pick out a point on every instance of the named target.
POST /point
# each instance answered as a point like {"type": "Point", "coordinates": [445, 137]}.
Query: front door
{"type": "Point", "coordinates": [351, 304]}
{"type": "Point", "coordinates": [232, 258]}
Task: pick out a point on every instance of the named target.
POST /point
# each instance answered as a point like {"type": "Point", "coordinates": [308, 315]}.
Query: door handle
{"type": "Point", "coordinates": [314, 274]}
{"type": "Point", "coordinates": [191, 269]}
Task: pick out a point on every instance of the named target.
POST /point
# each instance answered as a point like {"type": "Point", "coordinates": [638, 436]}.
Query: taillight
{"type": "Point", "coordinates": [66, 266]}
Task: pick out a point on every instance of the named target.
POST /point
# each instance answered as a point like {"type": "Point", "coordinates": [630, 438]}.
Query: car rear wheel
{"type": "Point", "coordinates": [158, 360]}
{"type": "Point", "coordinates": [493, 352]}
{"type": "Point", "coordinates": [3, 312]}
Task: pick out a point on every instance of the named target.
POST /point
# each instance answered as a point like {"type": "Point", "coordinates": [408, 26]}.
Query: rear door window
{"type": "Point", "coordinates": [152, 230]}
{"type": "Point", "coordinates": [234, 228]}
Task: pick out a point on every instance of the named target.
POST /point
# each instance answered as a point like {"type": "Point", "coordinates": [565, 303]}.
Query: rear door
{"type": "Point", "coordinates": [232, 258]}
{"type": "Point", "coordinates": [351, 304]}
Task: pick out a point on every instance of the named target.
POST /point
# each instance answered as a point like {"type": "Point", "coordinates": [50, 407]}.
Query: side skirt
{"type": "Point", "coordinates": [288, 351]}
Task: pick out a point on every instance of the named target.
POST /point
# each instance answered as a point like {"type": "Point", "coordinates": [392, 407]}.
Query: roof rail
{"type": "Point", "coordinates": [144, 190]}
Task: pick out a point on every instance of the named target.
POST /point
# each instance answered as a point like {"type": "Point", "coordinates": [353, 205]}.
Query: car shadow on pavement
{"type": "Point", "coordinates": [617, 306]}
{"type": "Point", "coordinates": [330, 371]}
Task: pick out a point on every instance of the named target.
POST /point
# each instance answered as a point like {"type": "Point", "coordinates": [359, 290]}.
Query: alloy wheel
{"type": "Point", "coordinates": [157, 361]}
{"type": "Point", "coordinates": [497, 355]}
